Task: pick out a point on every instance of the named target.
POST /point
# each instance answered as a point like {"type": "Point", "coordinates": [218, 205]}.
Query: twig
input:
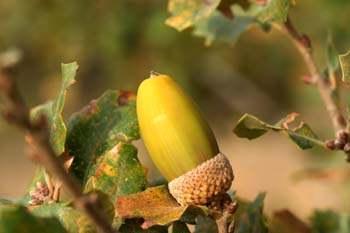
{"type": "Point", "coordinates": [17, 114]}
{"type": "Point", "coordinates": [226, 222]}
{"type": "Point", "coordinates": [303, 44]}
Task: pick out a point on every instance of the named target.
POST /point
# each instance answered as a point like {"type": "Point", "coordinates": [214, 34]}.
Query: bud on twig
{"type": "Point", "coordinates": [343, 136]}
{"type": "Point", "coordinates": [330, 144]}
{"type": "Point", "coordinates": [347, 148]}
{"type": "Point", "coordinates": [338, 144]}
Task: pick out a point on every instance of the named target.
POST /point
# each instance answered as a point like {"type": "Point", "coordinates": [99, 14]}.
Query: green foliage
{"type": "Point", "coordinates": [226, 21]}
{"type": "Point", "coordinates": [20, 220]}
{"type": "Point", "coordinates": [52, 110]}
{"type": "Point", "coordinates": [205, 224]}
{"type": "Point", "coordinates": [251, 218]}
{"type": "Point", "coordinates": [219, 28]}
{"type": "Point", "coordinates": [332, 55]}
{"type": "Point", "coordinates": [6, 203]}
{"type": "Point", "coordinates": [344, 60]}
{"type": "Point", "coordinates": [72, 219]}
{"type": "Point", "coordinates": [180, 227]}
{"type": "Point", "coordinates": [98, 128]}
{"type": "Point", "coordinates": [185, 13]}
{"type": "Point", "coordinates": [327, 221]}
{"type": "Point", "coordinates": [118, 172]}
{"type": "Point", "coordinates": [275, 10]}
{"type": "Point", "coordinates": [251, 127]}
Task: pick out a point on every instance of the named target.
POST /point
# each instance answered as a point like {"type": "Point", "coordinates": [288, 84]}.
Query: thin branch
{"type": "Point", "coordinates": [226, 222]}
{"type": "Point", "coordinates": [303, 44]}
{"type": "Point", "coordinates": [17, 114]}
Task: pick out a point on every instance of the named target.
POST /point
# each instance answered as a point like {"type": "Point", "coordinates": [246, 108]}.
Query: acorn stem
{"type": "Point", "coordinates": [153, 74]}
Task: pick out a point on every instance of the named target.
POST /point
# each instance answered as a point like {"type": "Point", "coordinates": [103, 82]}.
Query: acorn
{"type": "Point", "coordinates": [180, 142]}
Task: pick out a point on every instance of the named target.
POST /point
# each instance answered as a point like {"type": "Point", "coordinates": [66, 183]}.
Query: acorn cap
{"type": "Point", "coordinates": [205, 184]}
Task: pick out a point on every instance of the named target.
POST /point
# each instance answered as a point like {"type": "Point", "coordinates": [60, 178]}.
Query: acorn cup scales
{"type": "Point", "coordinates": [181, 143]}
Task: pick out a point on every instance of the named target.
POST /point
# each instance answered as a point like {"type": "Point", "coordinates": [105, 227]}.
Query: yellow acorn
{"type": "Point", "coordinates": [181, 143]}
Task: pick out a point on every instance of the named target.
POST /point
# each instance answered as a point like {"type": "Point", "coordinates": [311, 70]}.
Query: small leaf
{"type": "Point", "coordinates": [98, 128]}
{"type": "Point", "coordinates": [118, 172]}
{"type": "Point", "coordinates": [187, 12]}
{"type": "Point", "coordinates": [252, 219]}
{"type": "Point", "coordinates": [302, 136]}
{"type": "Point", "coordinates": [20, 220]}
{"type": "Point", "coordinates": [53, 109]}
{"type": "Point", "coordinates": [155, 205]}
{"type": "Point", "coordinates": [219, 28]}
{"type": "Point", "coordinates": [325, 221]}
{"type": "Point", "coordinates": [180, 227]}
{"type": "Point", "coordinates": [344, 60]}
{"type": "Point", "coordinates": [7, 203]}
{"type": "Point", "coordinates": [251, 127]}
{"type": "Point", "coordinates": [275, 10]}
{"type": "Point", "coordinates": [205, 224]}
{"type": "Point", "coordinates": [332, 54]}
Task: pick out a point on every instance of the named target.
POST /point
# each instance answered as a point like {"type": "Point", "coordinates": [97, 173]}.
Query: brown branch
{"type": "Point", "coordinates": [17, 114]}
{"type": "Point", "coordinates": [225, 220]}
{"type": "Point", "coordinates": [303, 44]}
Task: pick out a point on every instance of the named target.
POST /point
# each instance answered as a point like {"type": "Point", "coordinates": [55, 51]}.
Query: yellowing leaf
{"type": "Point", "coordinates": [98, 128]}
{"type": "Point", "coordinates": [187, 12]}
{"type": "Point", "coordinates": [155, 205]}
{"type": "Point", "coordinates": [118, 172]}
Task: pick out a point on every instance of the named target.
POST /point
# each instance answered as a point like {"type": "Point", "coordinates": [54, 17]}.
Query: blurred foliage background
{"type": "Point", "coordinates": [117, 44]}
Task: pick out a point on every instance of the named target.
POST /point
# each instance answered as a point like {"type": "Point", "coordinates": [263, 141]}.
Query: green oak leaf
{"type": "Point", "coordinates": [187, 12]}
{"type": "Point", "coordinates": [205, 224]}
{"type": "Point", "coordinates": [53, 109]}
{"type": "Point", "coordinates": [251, 218]}
{"type": "Point", "coordinates": [20, 220]}
{"type": "Point", "coordinates": [275, 10]}
{"type": "Point", "coordinates": [98, 128]}
{"type": "Point", "coordinates": [118, 172]}
{"type": "Point", "coordinates": [344, 60]}
{"type": "Point", "coordinates": [217, 27]}
{"type": "Point", "coordinates": [251, 127]}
